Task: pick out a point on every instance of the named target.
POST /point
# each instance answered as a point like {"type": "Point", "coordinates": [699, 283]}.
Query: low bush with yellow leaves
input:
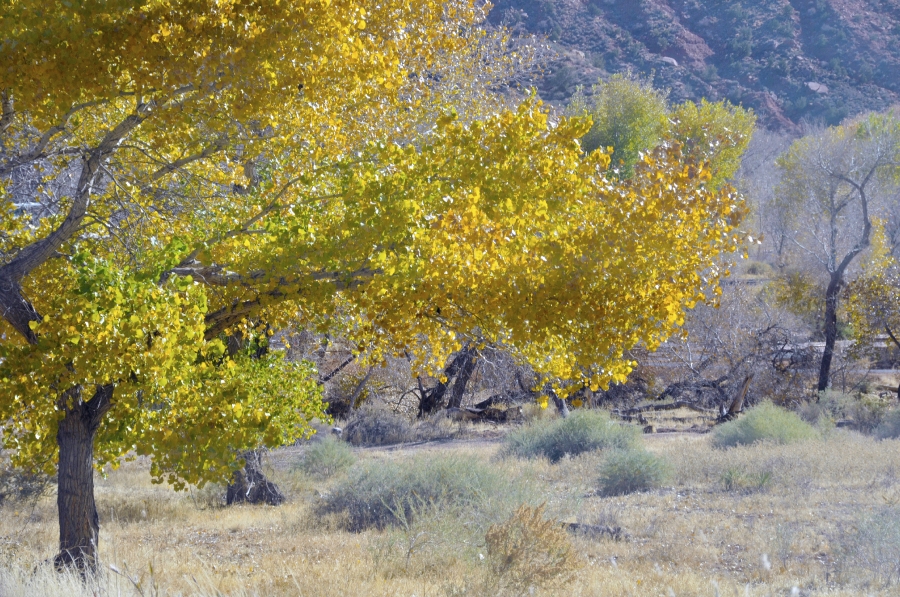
{"type": "Point", "coordinates": [528, 551]}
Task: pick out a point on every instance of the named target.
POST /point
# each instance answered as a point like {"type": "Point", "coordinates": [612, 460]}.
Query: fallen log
{"type": "Point", "coordinates": [669, 406]}
{"type": "Point", "coordinates": [595, 531]}
{"type": "Point", "coordinates": [491, 415]}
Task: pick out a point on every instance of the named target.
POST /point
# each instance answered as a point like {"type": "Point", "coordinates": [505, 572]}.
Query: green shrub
{"type": "Point", "coordinates": [582, 431]}
{"type": "Point", "coordinates": [378, 494]}
{"type": "Point", "coordinates": [890, 426]}
{"type": "Point", "coordinates": [326, 458]}
{"type": "Point", "coordinates": [831, 406]}
{"type": "Point", "coordinates": [738, 479]}
{"type": "Point", "coordinates": [630, 471]}
{"type": "Point", "coordinates": [865, 410]}
{"type": "Point", "coordinates": [764, 422]}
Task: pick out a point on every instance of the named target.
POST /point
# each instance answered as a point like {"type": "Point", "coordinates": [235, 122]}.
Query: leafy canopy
{"type": "Point", "coordinates": [633, 117]}
{"type": "Point", "coordinates": [178, 174]}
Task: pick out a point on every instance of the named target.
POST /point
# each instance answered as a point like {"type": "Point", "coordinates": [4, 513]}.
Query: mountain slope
{"type": "Point", "coordinates": [790, 60]}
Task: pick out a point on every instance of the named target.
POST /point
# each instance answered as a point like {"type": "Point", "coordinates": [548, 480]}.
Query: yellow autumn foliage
{"type": "Point", "coordinates": [233, 163]}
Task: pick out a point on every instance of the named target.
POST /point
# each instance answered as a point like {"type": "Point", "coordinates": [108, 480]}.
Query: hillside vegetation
{"type": "Point", "coordinates": [790, 60]}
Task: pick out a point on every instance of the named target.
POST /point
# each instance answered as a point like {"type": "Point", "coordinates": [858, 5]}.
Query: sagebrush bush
{"type": "Point", "coordinates": [326, 458]}
{"type": "Point", "coordinates": [889, 428]}
{"type": "Point", "coordinates": [377, 493]}
{"type": "Point", "coordinates": [372, 426]}
{"type": "Point", "coordinates": [869, 551]}
{"type": "Point", "coordinates": [19, 485]}
{"type": "Point", "coordinates": [528, 550]}
{"type": "Point", "coordinates": [866, 411]}
{"type": "Point", "coordinates": [763, 422]}
{"type": "Point", "coordinates": [582, 431]}
{"type": "Point", "coordinates": [632, 470]}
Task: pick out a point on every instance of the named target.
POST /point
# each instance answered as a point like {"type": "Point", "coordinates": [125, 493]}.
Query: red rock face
{"type": "Point", "coordinates": [759, 54]}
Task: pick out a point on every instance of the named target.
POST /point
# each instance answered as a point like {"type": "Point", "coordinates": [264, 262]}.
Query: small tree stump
{"type": "Point", "coordinates": [249, 485]}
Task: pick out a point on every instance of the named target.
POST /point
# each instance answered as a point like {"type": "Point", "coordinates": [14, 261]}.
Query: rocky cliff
{"type": "Point", "coordinates": [790, 60]}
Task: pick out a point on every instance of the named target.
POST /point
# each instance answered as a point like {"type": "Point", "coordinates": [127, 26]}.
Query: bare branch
{"type": "Point", "coordinates": [37, 152]}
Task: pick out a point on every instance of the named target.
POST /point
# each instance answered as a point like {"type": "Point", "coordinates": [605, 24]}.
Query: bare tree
{"type": "Point", "coordinates": [833, 182]}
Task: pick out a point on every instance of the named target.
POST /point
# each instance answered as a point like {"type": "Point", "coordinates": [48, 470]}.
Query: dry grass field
{"type": "Point", "coordinates": [819, 517]}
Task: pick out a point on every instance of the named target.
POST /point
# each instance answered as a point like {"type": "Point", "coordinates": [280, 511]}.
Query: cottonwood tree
{"type": "Point", "coordinates": [632, 117]}
{"type": "Point", "coordinates": [240, 165]}
{"type": "Point", "coordinates": [873, 299]}
{"type": "Point", "coordinates": [833, 183]}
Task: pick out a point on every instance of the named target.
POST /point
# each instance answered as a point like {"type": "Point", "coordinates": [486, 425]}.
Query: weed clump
{"type": "Point", "coordinates": [528, 551]}
{"type": "Point", "coordinates": [378, 494]}
{"type": "Point", "coordinates": [736, 479]}
{"type": "Point", "coordinates": [765, 422]}
{"type": "Point", "coordinates": [889, 428]}
{"type": "Point", "coordinates": [582, 431]}
{"type": "Point", "coordinates": [864, 411]}
{"type": "Point", "coordinates": [326, 458]}
{"type": "Point", "coordinates": [869, 552]}
{"type": "Point", "coordinates": [630, 471]}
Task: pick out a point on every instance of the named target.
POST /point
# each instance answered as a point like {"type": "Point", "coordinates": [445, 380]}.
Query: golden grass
{"type": "Point", "coordinates": [693, 537]}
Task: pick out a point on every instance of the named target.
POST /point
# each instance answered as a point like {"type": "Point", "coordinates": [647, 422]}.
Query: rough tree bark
{"type": "Point", "coordinates": [432, 400]}
{"type": "Point", "coordinates": [79, 524]}
{"type": "Point", "coordinates": [831, 303]}
{"type": "Point", "coordinates": [470, 359]}
{"type": "Point", "coordinates": [249, 485]}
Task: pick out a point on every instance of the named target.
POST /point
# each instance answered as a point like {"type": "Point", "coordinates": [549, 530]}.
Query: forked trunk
{"type": "Point", "coordinates": [79, 524]}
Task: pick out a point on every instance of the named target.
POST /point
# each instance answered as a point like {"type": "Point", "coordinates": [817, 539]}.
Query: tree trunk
{"type": "Point", "coordinates": [432, 400]}
{"type": "Point", "coordinates": [250, 484]}
{"type": "Point", "coordinates": [462, 378]}
{"type": "Point", "coordinates": [897, 343]}
{"type": "Point", "coordinates": [561, 407]}
{"type": "Point", "coordinates": [831, 303]}
{"type": "Point", "coordinates": [79, 524]}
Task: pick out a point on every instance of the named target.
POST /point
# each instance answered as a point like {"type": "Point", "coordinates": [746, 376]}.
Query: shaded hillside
{"type": "Point", "coordinates": [790, 60]}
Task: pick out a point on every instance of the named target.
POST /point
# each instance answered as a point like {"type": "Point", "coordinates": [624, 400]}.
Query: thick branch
{"type": "Point", "coordinates": [15, 308]}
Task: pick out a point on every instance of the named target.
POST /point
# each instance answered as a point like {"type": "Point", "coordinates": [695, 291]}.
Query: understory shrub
{"type": "Point", "coordinates": [582, 431]}
{"type": "Point", "coordinates": [326, 458]}
{"type": "Point", "coordinates": [372, 426]}
{"type": "Point", "coordinates": [763, 422]}
{"type": "Point", "coordinates": [378, 493]}
{"type": "Point", "coordinates": [21, 485]}
{"type": "Point", "coordinates": [528, 551]}
{"type": "Point", "coordinates": [866, 411]}
{"type": "Point", "coordinates": [869, 551]}
{"type": "Point", "coordinates": [632, 470]}
{"type": "Point", "coordinates": [889, 428]}
{"type": "Point", "coordinates": [738, 479]}
{"type": "Point", "coordinates": [369, 426]}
